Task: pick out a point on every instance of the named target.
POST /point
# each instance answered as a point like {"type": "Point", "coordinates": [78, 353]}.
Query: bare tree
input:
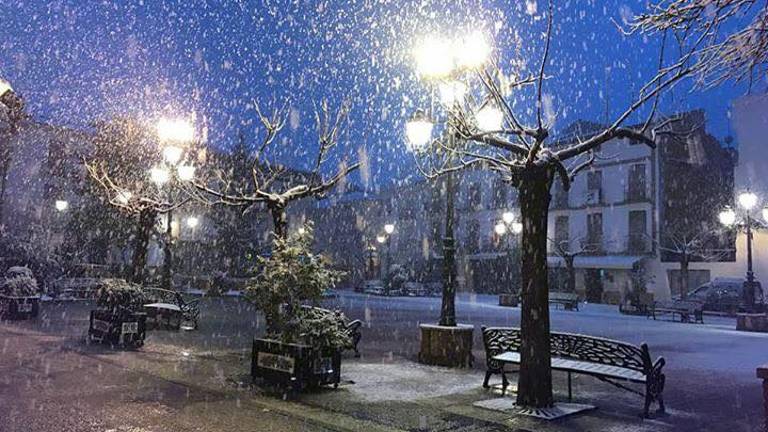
{"type": "Point", "coordinates": [13, 112]}
{"type": "Point", "coordinates": [734, 35]}
{"type": "Point", "coordinates": [522, 153]}
{"type": "Point", "coordinates": [690, 245]}
{"type": "Point", "coordinates": [568, 250]}
{"type": "Point", "coordinates": [122, 155]}
{"type": "Point", "coordinates": [275, 185]}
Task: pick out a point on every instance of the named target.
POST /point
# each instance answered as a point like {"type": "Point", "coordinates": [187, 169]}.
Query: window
{"type": "Point", "coordinates": [473, 236]}
{"type": "Point", "coordinates": [475, 196]}
{"type": "Point", "coordinates": [561, 230]}
{"type": "Point", "coordinates": [637, 232]}
{"type": "Point", "coordinates": [499, 194]}
{"type": "Point", "coordinates": [594, 187]}
{"type": "Point", "coordinates": [636, 188]}
{"type": "Point", "coordinates": [595, 231]}
{"type": "Point", "coordinates": [561, 195]}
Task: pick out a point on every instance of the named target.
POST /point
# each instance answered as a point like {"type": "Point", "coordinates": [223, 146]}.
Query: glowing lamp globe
{"type": "Point", "coordinates": [175, 130]}
{"type": "Point", "coordinates": [418, 130]}
{"type": "Point", "coordinates": [747, 200]}
{"type": "Point", "coordinates": [61, 205]}
{"type": "Point", "coordinates": [727, 217]}
{"type": "Point", "coordinates": [159, 176]}
{"type": "Point", "coordinates": [434, 58]}
{"type": "Point", "coordinates": [472, 51]}
{"type": "Point", "coordinates": [500, 228]}
{"type": "Point", "coordinates": [517, 227]}
{"type": "Point", "coordinates": [381, 239]}
{"type": "Point", "coordinates": [489, 118]}
{"type": "Point", "coordinates": [186, 172]}
{"type": "Point", "coordinates": [193, 222]}
{"type": "Point", "coordinates": [508, 217]}
{"type": "Point", "coordinates": [389, 228]}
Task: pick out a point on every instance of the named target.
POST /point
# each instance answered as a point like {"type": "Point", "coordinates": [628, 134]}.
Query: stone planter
{"type": "Point", "coordinates": [294, 367]}
{"type": "Point", "coordinates": [446, 346]}
{"type": "Point", "coordinates": [121, 329]}
{"type": "Point", "coordinates": [752, 322]}
{"type": "Point", "coordinates": [19, 308]}
{"type": "Point", "coordinates": [509, 300]}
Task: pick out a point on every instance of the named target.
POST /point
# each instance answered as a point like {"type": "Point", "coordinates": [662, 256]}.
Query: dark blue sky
{"type": "Point", "coordinates": [75, 61]}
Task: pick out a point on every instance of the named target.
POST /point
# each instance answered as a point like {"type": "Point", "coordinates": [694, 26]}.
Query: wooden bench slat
{"type": "Point", "coordinates": [564, 364]}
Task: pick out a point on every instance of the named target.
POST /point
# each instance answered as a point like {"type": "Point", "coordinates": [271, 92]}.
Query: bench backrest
{"type": "Point", "coordinates": [564, 296]}
{"type": "Point", "coordinates": [685, 305]}
{"type": "Point", "coordinates": [159, 295]}
{"type": "Point", "coordinates": [568, 345]}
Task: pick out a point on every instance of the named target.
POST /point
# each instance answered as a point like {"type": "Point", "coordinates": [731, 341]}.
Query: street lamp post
{"type": "Point", "coordinates": [728, 217]}
{"type": "Point", "coordinates": [508, 227]}
{"type": "Point", "coordinates": [445, 65]}
{"type": "Point", "coordinates": [173, 134]}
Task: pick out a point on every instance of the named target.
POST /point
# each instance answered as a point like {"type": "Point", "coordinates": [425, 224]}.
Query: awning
{"type": "Point", "coordinates": [625, 262]}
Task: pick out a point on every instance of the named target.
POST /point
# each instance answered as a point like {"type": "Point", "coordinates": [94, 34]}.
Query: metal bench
{"type": "Point", "coordinates": [352, 326]}
{"type": "Point", "coordinates": [610, 361]}
{"type": "Point", "coordinates": [168, 303]}
{"type": "Point", "coordinates": [569, 301]}
{"type": "Point", "coordinates": [684, 309]}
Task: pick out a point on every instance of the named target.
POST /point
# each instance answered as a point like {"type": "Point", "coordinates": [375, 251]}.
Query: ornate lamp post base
{"type": "Point", "coordinates": [446, 346]}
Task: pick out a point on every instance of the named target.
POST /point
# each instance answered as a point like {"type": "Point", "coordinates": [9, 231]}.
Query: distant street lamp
{"type": "Point", "coordinates": [193, 222]}
{"type": "Point", "coordinates": [389, 228]}
{"type": "Point", "coordinates": [728, 217]}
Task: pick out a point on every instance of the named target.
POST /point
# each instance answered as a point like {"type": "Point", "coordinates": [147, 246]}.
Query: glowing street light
{"type": "Point", "coordinates": [500, 228]}
{"type": "Point", "coordinates": [186, 172]}
{"type": "Point", "coordinates": [193, 222]}
{"type": "Point", "coordinates": [472, 51]}
{"type": "Point", "coordinates": [489, 118]}
{"type": "Point", "coordinates": [434, 58]}
{"type": "Point", "coordinates": [159, 176]}
{"type": "Point", "coordinates": [747, 200]}
{"type": "Point", "coordinates": [517, 227]}
{"type": "Point", "coordinates": [389, 228]}
{"type": "Point", "coordinates": [418, 130]}
{"type": "Point", "coordinates": [381, 238]}
{"type": "Point", "coordinates": [727, 217]}
{"type": "Point", "coordinates": [508, 217]}
{"type": "Point", "coordinates": [175, 130]}
{"type": "Point", "coordinates": [61, 205]}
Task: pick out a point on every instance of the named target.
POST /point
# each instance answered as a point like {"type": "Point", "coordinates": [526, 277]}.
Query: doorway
{"type": "Point", "coordinates": [593, 282]}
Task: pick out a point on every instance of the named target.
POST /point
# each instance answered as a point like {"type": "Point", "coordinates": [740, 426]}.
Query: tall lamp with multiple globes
{"type": "Point", "coordinates": [445, 66]}
{"type": "Point", "coordinates": [745, 221]}
{"type": "Point", "coordinates": [174, 135]}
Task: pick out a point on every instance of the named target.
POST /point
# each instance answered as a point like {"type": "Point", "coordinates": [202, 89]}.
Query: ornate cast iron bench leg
{"type": "Point", "coordinates": [487, 377]}
{"type": "Point", "coordinates": [504, 382]}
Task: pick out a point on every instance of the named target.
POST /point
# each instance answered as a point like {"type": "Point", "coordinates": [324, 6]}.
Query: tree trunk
{"type": "Point", "coordinates": [571, 270]}
{"type": "Point", "coordinates": [448, 307]}
{"type": "Point", "coordinates": [143, 233]}
{"type": "Point", "coordinates": [535, 383]}
{"type": "Point", "coordinates": [684, 261]}
{"type": "Point", "coordinates": [279, 220]}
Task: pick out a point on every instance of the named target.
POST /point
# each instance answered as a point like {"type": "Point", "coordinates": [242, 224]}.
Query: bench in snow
{"type": "Point", "coordinates": [611, 361]}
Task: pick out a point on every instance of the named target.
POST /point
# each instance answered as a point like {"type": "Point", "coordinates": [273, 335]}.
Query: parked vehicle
{"type": "Point", "coordinates": [374, 286]}
{"type": "Point", "coordinates": [721, 294]}
{"type": "Point", "coordinates": [415, 289]}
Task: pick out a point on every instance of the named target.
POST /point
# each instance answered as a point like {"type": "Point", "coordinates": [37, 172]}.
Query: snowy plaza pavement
{"type": "Point", "coordinates": [179, 377]}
